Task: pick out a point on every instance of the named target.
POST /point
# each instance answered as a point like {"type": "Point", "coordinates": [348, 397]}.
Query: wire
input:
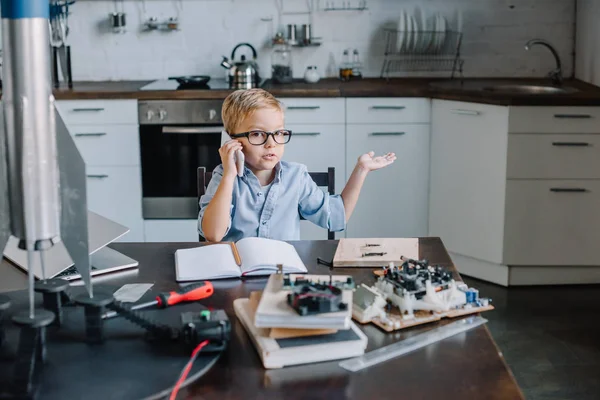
{"type": "Point", "coordinates": [186, 369]}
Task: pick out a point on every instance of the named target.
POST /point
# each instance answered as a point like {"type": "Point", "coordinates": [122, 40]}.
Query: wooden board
{"type": "Point", "coordinates": [349, 252]}
{"type": "Point", "coordinates": [421, 317]}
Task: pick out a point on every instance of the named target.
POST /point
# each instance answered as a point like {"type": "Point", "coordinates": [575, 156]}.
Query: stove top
{"type": "Point", "coordinates": [171, 84]}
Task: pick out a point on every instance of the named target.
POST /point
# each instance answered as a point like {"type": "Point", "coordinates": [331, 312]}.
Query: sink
{"type": "Point", "coordinates": [503, 87]}
{"type": "Point", "coordinates": [529, 89]}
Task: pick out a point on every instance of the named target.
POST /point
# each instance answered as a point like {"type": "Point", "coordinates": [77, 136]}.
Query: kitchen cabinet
{"type": "Point", "coordinates": [393, 201]}
{"type": "Point", "coordinates": [516, 188]}
{"type": "Point", "coordinates": [106, 133]}
{"type": "Point", "coordinates": [318, 147]}
{"type": "Point", "coordinates": [319, 142]}
{"type": "Point", "coordinates": [171, 230]}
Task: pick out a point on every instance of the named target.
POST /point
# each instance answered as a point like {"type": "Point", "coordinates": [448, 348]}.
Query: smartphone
{"type": "Point", "coordinates": [238, 156]}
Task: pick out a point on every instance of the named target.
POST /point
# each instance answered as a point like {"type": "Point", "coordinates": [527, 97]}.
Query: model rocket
{"type": "Point", "coordinates": [42, 175]}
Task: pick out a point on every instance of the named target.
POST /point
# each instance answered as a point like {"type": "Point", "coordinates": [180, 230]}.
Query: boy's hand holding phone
{"type": "Point", "coordinates": [228, 157]}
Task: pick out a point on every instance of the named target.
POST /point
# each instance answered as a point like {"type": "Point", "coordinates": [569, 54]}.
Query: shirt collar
{"type": "Point", "coordinates": [278, 172]}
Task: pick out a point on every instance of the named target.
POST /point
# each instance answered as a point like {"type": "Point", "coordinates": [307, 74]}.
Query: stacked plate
{"type": "Point", "coordinates": [417, 33]}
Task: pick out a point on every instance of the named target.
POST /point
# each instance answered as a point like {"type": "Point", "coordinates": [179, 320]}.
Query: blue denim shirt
{"type": "Point", "coordinates": [276, 214]}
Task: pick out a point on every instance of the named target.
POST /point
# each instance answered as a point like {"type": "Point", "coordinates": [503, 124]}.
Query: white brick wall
{"type": "Point", "coordinates": [587, 64]}
{"type": "Point", "coordinates": [495, 33]}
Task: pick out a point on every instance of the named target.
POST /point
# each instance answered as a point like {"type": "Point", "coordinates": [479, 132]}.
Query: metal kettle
{"type": "Point", "coordinates": [242, 74]}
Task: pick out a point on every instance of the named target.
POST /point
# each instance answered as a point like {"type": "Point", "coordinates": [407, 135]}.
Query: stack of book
{"type": "Point", "coordinates": [292, 321]}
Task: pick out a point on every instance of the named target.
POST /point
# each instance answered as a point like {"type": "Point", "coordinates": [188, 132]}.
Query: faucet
{"type": "Point", "coordinates": [556, 74]}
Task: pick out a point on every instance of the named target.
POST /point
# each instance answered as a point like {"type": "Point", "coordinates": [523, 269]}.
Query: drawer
{"type": "Point", "coordinates": [171, 230]}
{"type": "Point", "coordinates": [106, 145]}
{"type": "Point", "coordinates": [387, 110]}
{"type": "Point", "coordinates": [553, 156]}
{"type": "Point", "coordinates": [98, 112]}
{"type": "Point", "coordinates": [540, 119]}
{"type": "Point", "coordinates": [314, 110]}
{"type": "Point", "coordinates": [552, 222]}
{"type": "Point", "coordinates": [116, 193]}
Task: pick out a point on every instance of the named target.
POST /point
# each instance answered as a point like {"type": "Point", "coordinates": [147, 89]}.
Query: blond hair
{"type": "Point", "coordinates": [240, 104]}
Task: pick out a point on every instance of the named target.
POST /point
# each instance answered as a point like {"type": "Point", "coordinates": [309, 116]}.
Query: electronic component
{"type": "Point", "coordinates": [315, 298]}
{"type": "Point", "coordinates": [213, 326]}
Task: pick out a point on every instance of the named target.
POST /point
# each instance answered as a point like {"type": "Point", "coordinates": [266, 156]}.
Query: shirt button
{"type": "Point", "coordinates": [259, 193]}
{"type": "Point", "coordinates": [264, 222]}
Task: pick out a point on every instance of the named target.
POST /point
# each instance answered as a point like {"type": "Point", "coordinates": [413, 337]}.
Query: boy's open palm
{"type": "Point", "coordinates": [370, 163]}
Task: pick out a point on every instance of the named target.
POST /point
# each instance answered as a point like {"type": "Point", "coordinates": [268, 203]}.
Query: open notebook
{"type": "Point", "coordinates": [246, 257]}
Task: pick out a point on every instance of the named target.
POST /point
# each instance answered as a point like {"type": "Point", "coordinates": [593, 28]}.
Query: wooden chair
{"type": "Point", "coordinates": [322, 179]}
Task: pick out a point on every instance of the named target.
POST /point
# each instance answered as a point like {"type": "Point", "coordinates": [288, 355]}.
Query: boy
{"type": "Point", "coordinates": [268, 200]}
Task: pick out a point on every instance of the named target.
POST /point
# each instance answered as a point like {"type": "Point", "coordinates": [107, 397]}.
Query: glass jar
{"type": "Point", "coordinates": [281, 63]}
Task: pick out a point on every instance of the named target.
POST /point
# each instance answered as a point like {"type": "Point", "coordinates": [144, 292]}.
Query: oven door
{"type": "Point", "coordinates": [170, 157]}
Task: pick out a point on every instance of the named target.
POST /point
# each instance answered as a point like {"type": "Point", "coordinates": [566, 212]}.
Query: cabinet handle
{"type": "Point", "coordinates": [388, 107]}
{"type": "Point", "coordinates": [88, 109]}
{"type": "Point", "coordinates": [98, 176]}
{"type": "Point", "coordinates": [91, 134]}
{"type": "Point", "coordinates": [571, 144]}
{"type": "Point", "coordinates": [193, 129]}
{"type": "Point", "coordinates": [306, 133]}
{"type": "Point", "coordinates": [576, 116]}
{"type": "Point", "coordinates": [465, 112]}
{"type": "Point", "coordinates": [303, 107]}
{"type": "Point", "coordinates": [387, 133]}
{"type": "Point", "coordinates": [568, 190]}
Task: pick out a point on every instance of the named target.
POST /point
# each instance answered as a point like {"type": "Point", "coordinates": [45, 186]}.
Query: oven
{"type": "Point", "coordinates": [176, 137]}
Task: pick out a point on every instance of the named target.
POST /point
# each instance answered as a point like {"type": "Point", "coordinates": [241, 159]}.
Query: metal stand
{"type": "Point", "coordinates": [52, 291]}
{"type": "Point", "coordinates": [31, 350]}
{"type": "Point", "coordinates": [94, 309]}
{"type": "Point", "coordinates": [4, 304]}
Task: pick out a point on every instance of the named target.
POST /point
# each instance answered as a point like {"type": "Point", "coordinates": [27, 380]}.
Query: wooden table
{"type": "Point", "coordinates": [467, 366]}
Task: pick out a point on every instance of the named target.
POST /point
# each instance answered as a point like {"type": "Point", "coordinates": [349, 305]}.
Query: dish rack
{"type": "Point", "coordinates": [422, 51]}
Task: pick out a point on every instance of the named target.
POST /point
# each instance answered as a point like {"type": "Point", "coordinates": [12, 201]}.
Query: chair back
{"type": "Point", "coordinates": [322, 179]}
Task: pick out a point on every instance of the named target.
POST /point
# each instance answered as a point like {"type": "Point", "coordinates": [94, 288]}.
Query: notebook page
{"type": "Point", "coordinates": [264, 253]}
{"type": "Point", "coordinates": [214, 261]}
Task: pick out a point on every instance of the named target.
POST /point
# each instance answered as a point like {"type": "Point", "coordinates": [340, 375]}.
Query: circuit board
{"type": "Point", "coordinates": [414, 293]}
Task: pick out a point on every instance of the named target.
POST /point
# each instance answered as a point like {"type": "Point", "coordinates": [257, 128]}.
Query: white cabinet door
{"type": "Point", "coordinates": [318, 147]}
{"type": "Point", "coordinates": [468, 177]}
{"type": "Point", "coordinates": [393, 201]}
{"type": "Point", "coordinates": [171, 230]}
{"type": "Point", "coordinates": [116, 193]}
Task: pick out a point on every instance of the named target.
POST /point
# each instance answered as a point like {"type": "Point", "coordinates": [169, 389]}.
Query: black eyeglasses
{"type": "Point", "coordinates": [257, 138]}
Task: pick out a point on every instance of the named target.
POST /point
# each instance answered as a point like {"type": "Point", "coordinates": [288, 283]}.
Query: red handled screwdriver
{"type": "Point", "coordinates": [193, 292]}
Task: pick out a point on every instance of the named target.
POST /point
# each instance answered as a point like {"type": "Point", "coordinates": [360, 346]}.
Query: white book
{"type": "Point", "coordinates": [247, 257]}
{"type": "Point", "coordinates": [273, 310]}
{"type": "Point", "coordinates": [278, 353]}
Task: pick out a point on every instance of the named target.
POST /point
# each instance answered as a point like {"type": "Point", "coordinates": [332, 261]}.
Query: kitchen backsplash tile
{"type": "Point", "coordinates": [495, 32]}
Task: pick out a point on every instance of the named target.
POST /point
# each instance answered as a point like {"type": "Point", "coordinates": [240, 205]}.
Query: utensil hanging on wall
{"type": "Point", "coordinates": [118, 20]}
{"type": "Point", "coordinates": [58, 25]}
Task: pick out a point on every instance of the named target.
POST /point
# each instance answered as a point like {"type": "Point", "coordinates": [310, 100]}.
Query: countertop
{"type": "Point", "coordinates": [369, 87]}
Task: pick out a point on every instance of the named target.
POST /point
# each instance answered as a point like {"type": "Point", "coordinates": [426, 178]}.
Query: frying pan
{"type": "Point", "coordinates": [197, 80]}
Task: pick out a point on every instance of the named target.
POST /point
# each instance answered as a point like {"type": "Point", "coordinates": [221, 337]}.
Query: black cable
{"type": "Point", "coordinates": [158, 330]}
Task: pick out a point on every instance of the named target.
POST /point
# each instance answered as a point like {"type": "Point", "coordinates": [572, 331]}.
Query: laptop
{"type": "Point", "coordinates": [58, 263]}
